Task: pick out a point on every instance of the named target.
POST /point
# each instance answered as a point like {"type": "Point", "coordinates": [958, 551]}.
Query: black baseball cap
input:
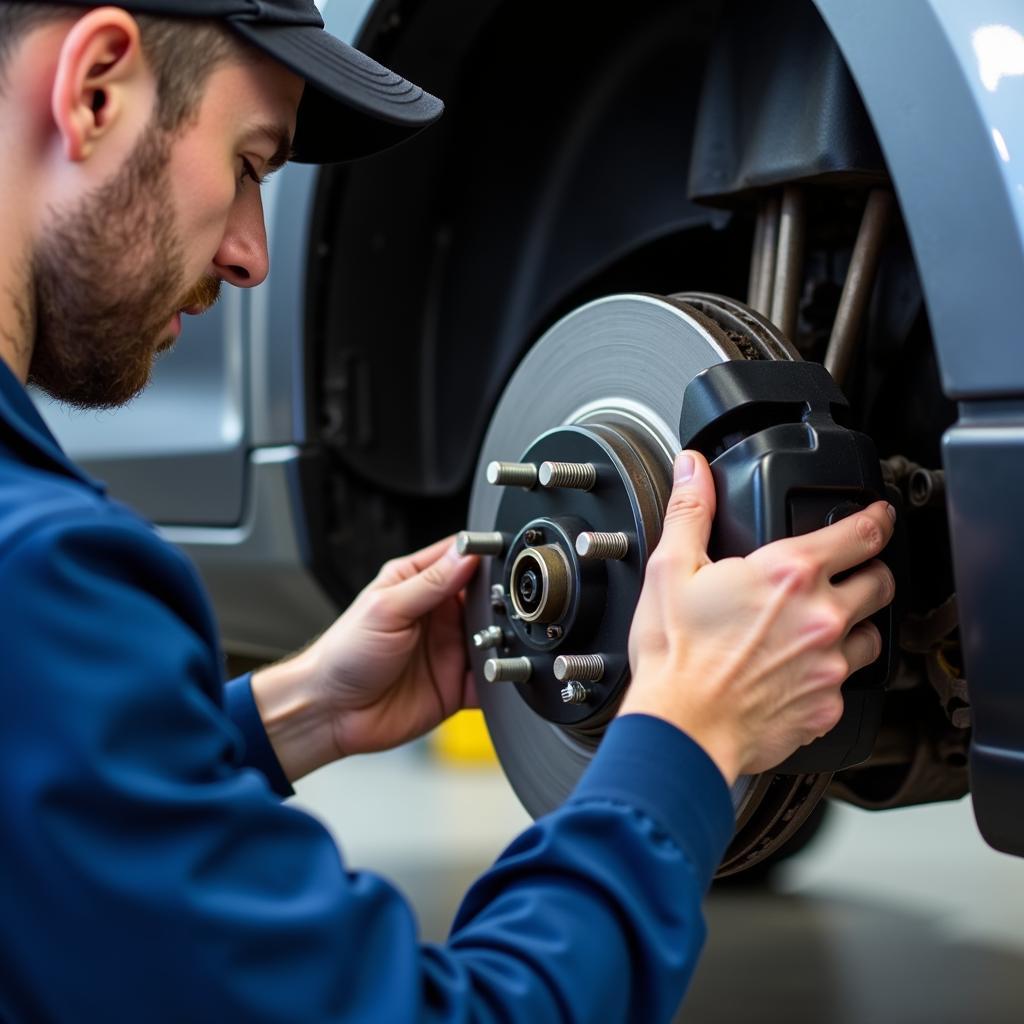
{"type": "Point", "coordinates": [352, 106]}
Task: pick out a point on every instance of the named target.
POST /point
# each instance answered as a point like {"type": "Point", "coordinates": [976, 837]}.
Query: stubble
{"type": "Point", "coordinates": [104, 284]}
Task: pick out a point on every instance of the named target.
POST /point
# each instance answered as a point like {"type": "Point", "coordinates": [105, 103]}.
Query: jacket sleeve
{"type": "Point", "coordinates": [149, 875]}
{"type": "Point", "coordinates": [257, 751]}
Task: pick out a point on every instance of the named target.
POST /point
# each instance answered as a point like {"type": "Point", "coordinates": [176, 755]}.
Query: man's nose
{"type": "Point", "coordinates": [242, 258]}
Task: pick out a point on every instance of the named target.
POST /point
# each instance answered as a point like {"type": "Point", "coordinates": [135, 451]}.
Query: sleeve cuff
{"type": "Point", "coordinates": [240, 706]}
{"type": "Point", "coordinates": [655, 767]}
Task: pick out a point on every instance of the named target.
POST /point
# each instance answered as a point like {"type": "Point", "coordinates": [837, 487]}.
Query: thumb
{"type": "Point", "coordinates": [691, 508]}
{"type": "Point", "coordinates": [441, 579]}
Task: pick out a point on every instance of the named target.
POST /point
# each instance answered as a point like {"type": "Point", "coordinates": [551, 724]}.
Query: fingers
{"type": "Point", "coordinates": [690, 511]}
{"type": "Point", "coordinates": [862, 646]}
{"type": "Point", "coordinates": [852, 541]}
{"type": "Point", "coordinates": [832, 549]}
{"type": "Point", "coordinates": [865, 592]}
{"type": "Point", "coordinates": [430, 554]}
{"type": "Point", "coordinates": [441, 579]}
{"type": "Point", "coordinates": [403, 568]}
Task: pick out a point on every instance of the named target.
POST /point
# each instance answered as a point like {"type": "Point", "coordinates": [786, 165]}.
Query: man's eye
{"type": "Point", "coordinates": [248, 171]}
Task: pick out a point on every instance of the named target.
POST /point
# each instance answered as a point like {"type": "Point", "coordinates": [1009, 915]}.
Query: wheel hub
{"type": "Point", "coordinates": [558, 598]}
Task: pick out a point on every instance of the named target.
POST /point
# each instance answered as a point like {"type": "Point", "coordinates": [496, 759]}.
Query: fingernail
{"type": "Point", "coordinates": [684, 467]}
{"type": "Point", "coordinates": [453, 553]}
{"type": "Point", "coordinates": [891, 511]}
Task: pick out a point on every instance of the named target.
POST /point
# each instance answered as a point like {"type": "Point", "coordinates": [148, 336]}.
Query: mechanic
{"type": "Point", "coordinates": [150, 870]}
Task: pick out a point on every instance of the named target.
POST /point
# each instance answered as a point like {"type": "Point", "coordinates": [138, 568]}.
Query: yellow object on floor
{"type": "Point", "coordinates": [463, 740]}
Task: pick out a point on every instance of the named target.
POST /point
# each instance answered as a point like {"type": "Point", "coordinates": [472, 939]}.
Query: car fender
{"type": "Point", "coordinates": [943, 82]}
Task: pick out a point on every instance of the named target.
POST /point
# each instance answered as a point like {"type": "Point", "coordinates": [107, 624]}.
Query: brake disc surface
{"type": "Point", "coordinates": [616, 367]}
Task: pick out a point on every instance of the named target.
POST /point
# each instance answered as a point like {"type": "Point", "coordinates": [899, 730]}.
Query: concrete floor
{"type": "Point", "coordinates": [893, 918]}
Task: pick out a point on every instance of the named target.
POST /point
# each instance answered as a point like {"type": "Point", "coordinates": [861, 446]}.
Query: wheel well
{"type": "Point", "coordinates": [563, 155]}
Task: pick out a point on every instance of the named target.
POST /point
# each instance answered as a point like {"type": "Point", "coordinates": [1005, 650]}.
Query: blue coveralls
{"type": "Point", "coordinates": [151, 873]}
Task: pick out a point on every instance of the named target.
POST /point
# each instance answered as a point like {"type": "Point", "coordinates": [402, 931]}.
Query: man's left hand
{"type": "Point", "coordinates": [389, 670]}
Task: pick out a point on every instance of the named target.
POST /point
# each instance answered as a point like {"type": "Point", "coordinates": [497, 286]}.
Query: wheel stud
{"type": "Point", "coordinates": [512, 474]}
{"type": "Point", "coordinates": [586, 668]}
{"type": "Point", "coordinates": [580, 476]}
{"type": "Point", "coordinates": [602, 545]}
{"type": "Point", "coordinates": [574, 693]}
{"type": "Point", "coordinates": [507, 670]}
{"type": "Point", "coordinates": [926, 487]}
{"type": "Point", "coordinates": [498, 597]}
{"type": "Point", "coordinates": [492, 636]}
{"type": "Point", "coordinates": [469, 543]}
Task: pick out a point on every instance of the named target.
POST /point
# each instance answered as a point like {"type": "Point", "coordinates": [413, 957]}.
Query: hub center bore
{"type": "Point", "coordinates": [528, 588]}
{"type": "Point", "coordinates": [541, 584]}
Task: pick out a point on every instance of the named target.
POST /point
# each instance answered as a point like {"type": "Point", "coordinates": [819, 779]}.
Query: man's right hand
{"type": "Point", "coordinates": [747, 655]}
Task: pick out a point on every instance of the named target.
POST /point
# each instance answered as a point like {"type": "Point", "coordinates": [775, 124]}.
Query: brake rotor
{"type": "Point", "coordinates": [596, 405]}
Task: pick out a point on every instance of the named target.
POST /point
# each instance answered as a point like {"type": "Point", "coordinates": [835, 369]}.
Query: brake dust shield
{"type": "Point", "coordinates": [603, 388]}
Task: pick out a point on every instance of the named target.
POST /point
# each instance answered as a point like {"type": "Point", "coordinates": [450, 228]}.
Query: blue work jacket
{"type": "Point", "coordinates": [151, 873]}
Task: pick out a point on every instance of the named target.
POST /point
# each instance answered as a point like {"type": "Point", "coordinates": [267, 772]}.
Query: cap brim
{"type": "Point", "coordinates": [352, 105]}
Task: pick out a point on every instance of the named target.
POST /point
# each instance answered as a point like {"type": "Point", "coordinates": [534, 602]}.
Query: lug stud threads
{"type": "Point", "coordinates": [492, 636]}
{"type": "Point", "coordinates": [469, 543]}
{"type": "Point", "coordinates": [512, 474]}
{"type": "Point", "coordinates": [585, 668]}
{"type": "Point", "coordinates": [596, 546]}
{"type": "Point", "coordinates": [507, 670]}
{"type": "Point", "coordinates": [574, 693]}
{"type": "Point", "coordinates": [580, 476]}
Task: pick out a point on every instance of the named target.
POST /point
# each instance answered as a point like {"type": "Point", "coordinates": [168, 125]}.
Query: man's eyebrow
{"type": "Point", "coordinates": [281, 137]}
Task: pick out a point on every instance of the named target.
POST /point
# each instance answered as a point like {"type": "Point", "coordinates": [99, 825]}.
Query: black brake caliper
{"type": "Point", "coordinates": [784, 464]}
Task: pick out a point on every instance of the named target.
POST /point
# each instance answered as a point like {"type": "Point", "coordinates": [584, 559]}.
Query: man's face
{"type": "Point", "coordinates": [111, 277]}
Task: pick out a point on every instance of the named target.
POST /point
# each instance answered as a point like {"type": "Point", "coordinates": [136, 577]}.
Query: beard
{"type": "Point", "coordinates": [105, 283]}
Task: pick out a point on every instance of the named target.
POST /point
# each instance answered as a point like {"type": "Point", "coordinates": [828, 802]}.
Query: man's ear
{"type": "Point", "coordinates": [101, 77]}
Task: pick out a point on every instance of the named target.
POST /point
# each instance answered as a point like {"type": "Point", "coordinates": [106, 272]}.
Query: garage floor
{"type": "Point", "coordinates": [901, 917]}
